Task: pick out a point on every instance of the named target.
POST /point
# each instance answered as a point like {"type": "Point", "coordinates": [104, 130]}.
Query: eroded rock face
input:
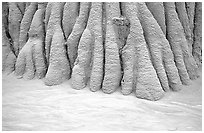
{"type": "Point", "coordinates": [126, 53]}
{"type": "Point", "coordinates": [147, 83]}
{"type": "Point", "coordinates": [143, 48]}
{"type": "Point", "coordinates": [112, 71]}
{"type": "Point", "coordinates": [197, 45]}
{"type": "Point", "coordinates": [31, 59]}
{"type": "Point", "coordinates": [58, 70]}
{"type": "Point", "coordinates": [25, 24]}
{"type": "Point", "coordinates": [97, 63]}
{"type": "Point", "coordinates": [157, 10]}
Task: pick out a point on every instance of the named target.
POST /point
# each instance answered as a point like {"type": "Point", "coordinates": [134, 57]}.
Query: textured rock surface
{"type": "Point", "coordinates": [47, 14]}
{"type": "Point", "coordinates": [14, 18]}
{"type": "Point", "coordinates": [25, 24]}
{"type": "Point", "coordinates": [157, 10]}
{"type": "Point", "coordinates": [82, 64]}
{"type": "Point", "coordinates": [161, 55]}
{"type": "Point", "coordinates": [58, 70]}
{"type": "Point", "coordinates": [70, 14]}
{"type": "Point", "coordinates": [112, 71]}
{"type": "Point", "coordinates": [174, 28]}
{"type": "Point", "coordinates": [31, 60]}
{"type": "Point", "coordinates": [5, 40]}
{"type": "Point", "coordinates": [126, 52]}
{"type": "Point", "coordinates": [150, 28]}
{"type": "Point", "coordinates": [147, 83]}
{"type": "Point", "coordinates": [190, 9]}
{"type": "Point", "coordinates": [55, 18]}
{"type": "Point", "coordinates": [183, 17]}
{"type": "Point", "coordinates": [10, 63]}
{"type": "Point", "coordinates": [97, 28]}
{"type": "Point", "coordinates": [197, 45]}
{"type": "Point", "coordinates": [145, 48]}
{"type": "Point", "coordinates": [74, 37]}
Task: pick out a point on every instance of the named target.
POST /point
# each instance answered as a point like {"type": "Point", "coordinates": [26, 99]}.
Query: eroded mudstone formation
{"type": "Point", "coordinates": [97, 64]}
{"type": "Point", "coordinates": [82, 66]}
{"type": "Point", "coordinates": [14, 18]}
{"type": "Point", "coordinates": [55, 18]}
{"type": "Point", "coordinates": [142, 48]}
{"type": "Point", "coordinates": [183, 17]}
{"type": "Point", "coordinates": [77, 31]}
{"type": "Point", "coordinates": [157, 10]}
{"type": "Point", "coordinates": [59, 69]}
{"type": "Point", "coordinates": [197, 44]}
{"type": "Point", "coordinates": [161, 55]}
{"type": "Point", "coordinates": [147, 84]}
{"type": "Point", "coordinates": [126, 52]}
{"type": "Point", "coordinates": [70, 14]}
{"type": "Point", "coordinates": [25, 24]}
{"type": "Point", "coordinates": [31, 60]}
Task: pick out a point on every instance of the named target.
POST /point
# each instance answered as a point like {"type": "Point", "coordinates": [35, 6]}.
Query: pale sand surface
{"type": "Point", "coordinates": [30, 105]}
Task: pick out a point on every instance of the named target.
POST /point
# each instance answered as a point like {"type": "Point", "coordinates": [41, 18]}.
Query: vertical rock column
{"type": "Point", "coordinates": [31, 60]}
{"type": "Point", "coordinates": [190, 9]}
{"type": "Point", "coordinates": [47, 14]}
{"type": "Point", "coordinates": [15, 18]}
{"type": "Point", "coordinates": [147, 83]}
{"type": "Point", "coordinates": [81, 69]}
{"type": "Point", "coordinates": [25, 24]}
{"type": "Point", "coordinates": [112, 75]}
{"type": "Point", "coordinates": [55, 18]}
{"type": "Point", "coordinates": [97, 28]}
{"type": "Point", "coordinates": [183, 17]}
{"type": "Point", "coordinates": [5, 40]}
{"type": "Point", "coordinates": [59, 67]}
{"type": "Point", "coordinates": [70, 14]}
{"type": "Point", "coordinates": [78, 29]}
{"type": "Point", "coordinates": [157, 10]}
{"type": "Point", "coordinates": [160, 51]}
{"type": "Point", "coordinates": [174, 37]}
{"type": "Point", "coordinates": [189, 61]}
{"type": "Point", "coordinates": [197, 44]}
{"type": "Point", "coordinates": [38, 29]}
{"type": "Point", "coordinates": [126, 51]}
{"type": "Point", "coordinates": [151, 30]}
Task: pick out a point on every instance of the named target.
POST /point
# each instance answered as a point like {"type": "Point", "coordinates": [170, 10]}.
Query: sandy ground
{"type": "Point", "coordinates": [30, 105]}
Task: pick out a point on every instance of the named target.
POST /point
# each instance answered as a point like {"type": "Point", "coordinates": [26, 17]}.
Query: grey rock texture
{"type": "Point", "coordinates": [145, 48]}
{"type": "Point", "coordinates": [81, 66]}
{"type": "Point", "coordinates": [150, 29]}
{"type": "Point", "coordinates": [112, 71]}
{"type": "Point", "coordinates": [55, 18]}
{"type": "Point", "coordinates": [157, 10]}
{"type": "Point", "coordinates": [21, 6]}
{"type": "Point", "coordinates": [91, 36]}
{"type": "Point", "coordinates": [25, 24]}
{"type": "Point", "coordinates": [70, 14]}
{"type": "Point", "coordinates": [31, 60]}
{"type": "Point", "coordinates": [126, 52]}
{"type": "Point", "coordinates": [183, 17]}
{"type": "Point", "coordinates": [5, 40]}
{"type": "Point", "coordinates": [97, 27]}
{"type": "Point", "coordinates": [14, 19]}
{"type": "Point", "coordinates": [58, 70]}
{"type": "Point", "coordinates": [161, 55]}
{"type": "Point", "coordinates": [147, 84]}
{"type": "Point", "coordinates": [79, 27]}
{"type": "Point", "coordinates": [10, 63]}
{"type": "Point", "coordinates": [174, 28]}
{"type": "Point", "coordinates": [197, 44]}
{"type": "Point", "coordinates": [190, 9]}
{"type": "Point", "coordinates": [47, 14]}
